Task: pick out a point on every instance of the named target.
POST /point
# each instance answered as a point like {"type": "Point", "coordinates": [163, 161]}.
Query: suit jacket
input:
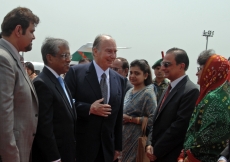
{"type": "Point", "coordinates": [171, 122]}
{"type": "Point", "coordinates": [55, 137]}
{"type": "Point", "coordinates": [95, 131]}
{"type": "Point", "coordinates": [18, 108]}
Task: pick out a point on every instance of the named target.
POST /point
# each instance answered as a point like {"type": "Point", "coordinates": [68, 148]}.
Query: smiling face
{"type": "Point", "coordinates": [106, 52]}
{"type": "Point", "coordinates": [171, 69]}
{"type": "Point", "coordinates": [58, 63]}
{"type": "Point", "coordinates": [25, 40]}
{"type": "Point", "coordinates": [137, 76]}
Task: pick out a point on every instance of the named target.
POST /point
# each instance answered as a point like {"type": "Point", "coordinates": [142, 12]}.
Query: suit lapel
{"type": "Point", "coordinates": [15, 57]}
{"type": "Point", "coordinates": [71, 100]}
{"type": "Point", "coordinates": [170, 95]}
{"type": "Point", "coordinates": [59, 89]}
{"type": "Point", "coordinates": [91, 77]}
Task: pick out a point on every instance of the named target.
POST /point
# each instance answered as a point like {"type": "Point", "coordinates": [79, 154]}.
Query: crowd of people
{"type": "Point", "coordinates": [93, 111]}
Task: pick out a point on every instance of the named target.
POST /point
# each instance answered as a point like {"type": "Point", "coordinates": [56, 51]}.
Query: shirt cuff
{"type": "Point", "coordinates": [57, 160]}
{"type": "Point", "coordinates": [222, 158]}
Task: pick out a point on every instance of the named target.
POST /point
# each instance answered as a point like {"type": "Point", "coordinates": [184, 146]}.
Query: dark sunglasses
{"type": "Point", "coordinates": [166, 64]}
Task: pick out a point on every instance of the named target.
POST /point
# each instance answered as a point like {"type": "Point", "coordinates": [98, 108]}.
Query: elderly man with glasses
{"type": "Point", "coordinates": [55, 137]}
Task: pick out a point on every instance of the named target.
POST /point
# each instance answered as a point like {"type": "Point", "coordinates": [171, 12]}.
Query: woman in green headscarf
{"type": "Point", "coordinates": [209, 127]}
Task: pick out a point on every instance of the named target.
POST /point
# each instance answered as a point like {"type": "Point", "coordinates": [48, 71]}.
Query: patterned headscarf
{"type": "Point", "coordinates": [215, 72]}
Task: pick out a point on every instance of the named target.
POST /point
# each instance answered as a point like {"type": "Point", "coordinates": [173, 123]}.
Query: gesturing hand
{"type": "Point", "coordinates": [100, 109]}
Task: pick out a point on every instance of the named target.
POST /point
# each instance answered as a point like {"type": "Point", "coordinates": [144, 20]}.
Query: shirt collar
{"type": "Point", "coordinates": [52, 71]}
{"type": "Point", "coordinates": [175, 82]}
{"type": "Point", "coordinates": [12, 47]}
{"type": "Point", "coordinates": [99, 70]}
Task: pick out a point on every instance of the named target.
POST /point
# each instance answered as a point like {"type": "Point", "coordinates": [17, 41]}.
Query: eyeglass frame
{"type": "Point", "coordinates": [64, 56]}
{"type": "Point", "coordinates": [199, 69]}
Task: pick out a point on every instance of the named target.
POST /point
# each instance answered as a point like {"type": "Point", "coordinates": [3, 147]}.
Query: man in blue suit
{"type": "Point", "coordinates": [98, 92]}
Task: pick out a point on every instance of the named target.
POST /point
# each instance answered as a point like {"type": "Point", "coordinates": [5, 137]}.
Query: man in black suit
{"type": "Point", "coordinates": [99, 95]}
{"type": "Point", "coordinates": [121, 66]}
{"type": "Point", "coordinates": [175, 107]}
{"type": "Point", "coordinates": [56, 131]}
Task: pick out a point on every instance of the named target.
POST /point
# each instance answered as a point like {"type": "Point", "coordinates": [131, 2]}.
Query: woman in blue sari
{"type": "Point", "coordinates": [140, 101]}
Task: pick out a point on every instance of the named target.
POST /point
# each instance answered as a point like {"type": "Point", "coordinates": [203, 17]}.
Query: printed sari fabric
{"type": "Point", "coordinates": [209, 127]}
{"type": "Point", "coordinates": [139, 104]}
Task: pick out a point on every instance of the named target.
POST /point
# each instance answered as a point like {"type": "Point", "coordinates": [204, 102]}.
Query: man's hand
{"type": "Point", "coordinates": [116, 154]}
{"type": "Point", "coordinates": [100, 109]}
{"type": "Point", "coordinates": [149, 153]}
{"type": "Point", "coordinates": [222, 161]}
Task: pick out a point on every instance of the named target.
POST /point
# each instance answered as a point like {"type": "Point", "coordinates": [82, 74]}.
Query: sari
{"type": "Point", "coordinates": [209, 127]}
{"type": "Point", "coordinates": [139, 104]}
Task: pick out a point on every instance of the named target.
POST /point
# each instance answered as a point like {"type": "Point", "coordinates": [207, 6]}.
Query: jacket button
{"type": "Point", "coordinates": [36, 115]}
{"type": "Point", "coordinates": [34, 134]}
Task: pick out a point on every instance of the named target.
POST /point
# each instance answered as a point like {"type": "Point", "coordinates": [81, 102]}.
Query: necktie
{"type": "Point", "coordinates": [165, 96]}
{"type": "Point", "coordinates": [63, 87]}
{"type": "Point", "coordinates": [104, 87]}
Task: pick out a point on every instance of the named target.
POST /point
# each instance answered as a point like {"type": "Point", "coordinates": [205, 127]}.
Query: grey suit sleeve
{"type": "Point", "coordinates": [8, 147]}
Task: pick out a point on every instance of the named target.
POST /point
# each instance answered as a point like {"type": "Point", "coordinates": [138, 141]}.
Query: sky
{"type": "Point", "coordinates": [148, 27]}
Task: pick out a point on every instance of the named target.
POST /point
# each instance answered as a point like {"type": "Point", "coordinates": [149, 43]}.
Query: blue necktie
{"type": "Point", "coordinates": [63, 87]}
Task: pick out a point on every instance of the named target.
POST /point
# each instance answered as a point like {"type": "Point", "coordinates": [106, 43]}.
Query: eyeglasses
{"type": "Point", "coordinates": [115, 69]}
{"type": "Point", "coordinates": [166, 64]}
{"type": "Point", "coordinates": [65, 56]}
{"type": "Point", "coordinates": [199, 69]}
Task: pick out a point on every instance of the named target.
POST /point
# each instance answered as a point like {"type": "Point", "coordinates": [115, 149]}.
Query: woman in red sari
{"type": "Point", "coordinates": [209, 127]}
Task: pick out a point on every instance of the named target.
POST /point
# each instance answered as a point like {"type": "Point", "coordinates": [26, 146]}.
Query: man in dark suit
{"type": "Point", "coordinates": [171, 119]}
{"type": "Point", "coordinates": [121, 66]}
{"type": "Point", "coordinates": [99, 95]}
{"type": "Point", "coordinates": [55, 137]}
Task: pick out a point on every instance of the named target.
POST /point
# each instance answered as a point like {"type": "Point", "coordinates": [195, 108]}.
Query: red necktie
{"type": "Point", "coordinates": [166, 94]}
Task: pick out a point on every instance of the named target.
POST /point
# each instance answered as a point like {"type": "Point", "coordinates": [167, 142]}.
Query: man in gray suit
{"type": "Point", "coordinates": [18, 100]}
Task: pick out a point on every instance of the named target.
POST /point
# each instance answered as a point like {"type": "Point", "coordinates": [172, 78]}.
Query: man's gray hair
{"type": "Point", "coordinates": [98, 39]}
{"type": "Point", "coordinates": [51, 46]}
{"type": "Point", "coordinates": [204, 56]}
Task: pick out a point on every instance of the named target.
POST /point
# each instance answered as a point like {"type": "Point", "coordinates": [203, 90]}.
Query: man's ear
{"type": "Point", "coordinates": [18, 30]}
{"type": "Point", "coordinates": [126, 71]}
{"type": "Point", "coordinates": [95, 51]}
{"type": "Point", "coordinates": [49, 59]}
{"type": "Point", "coordinates": [182, 66]}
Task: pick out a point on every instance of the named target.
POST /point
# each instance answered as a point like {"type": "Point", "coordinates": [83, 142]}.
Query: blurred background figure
{"type": "Point", "coordinates": [84, 61]}
{"type": "Point", "coordinates": [140, 101]}
{"type": "Point", "coordinates": [121, 66]}
{"type": "Point", "coordinates": [30, 70]}
{"type": "Point", "coordinates": [209, 127]}
{"type": "Point", "coordinates": [160, 82]}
